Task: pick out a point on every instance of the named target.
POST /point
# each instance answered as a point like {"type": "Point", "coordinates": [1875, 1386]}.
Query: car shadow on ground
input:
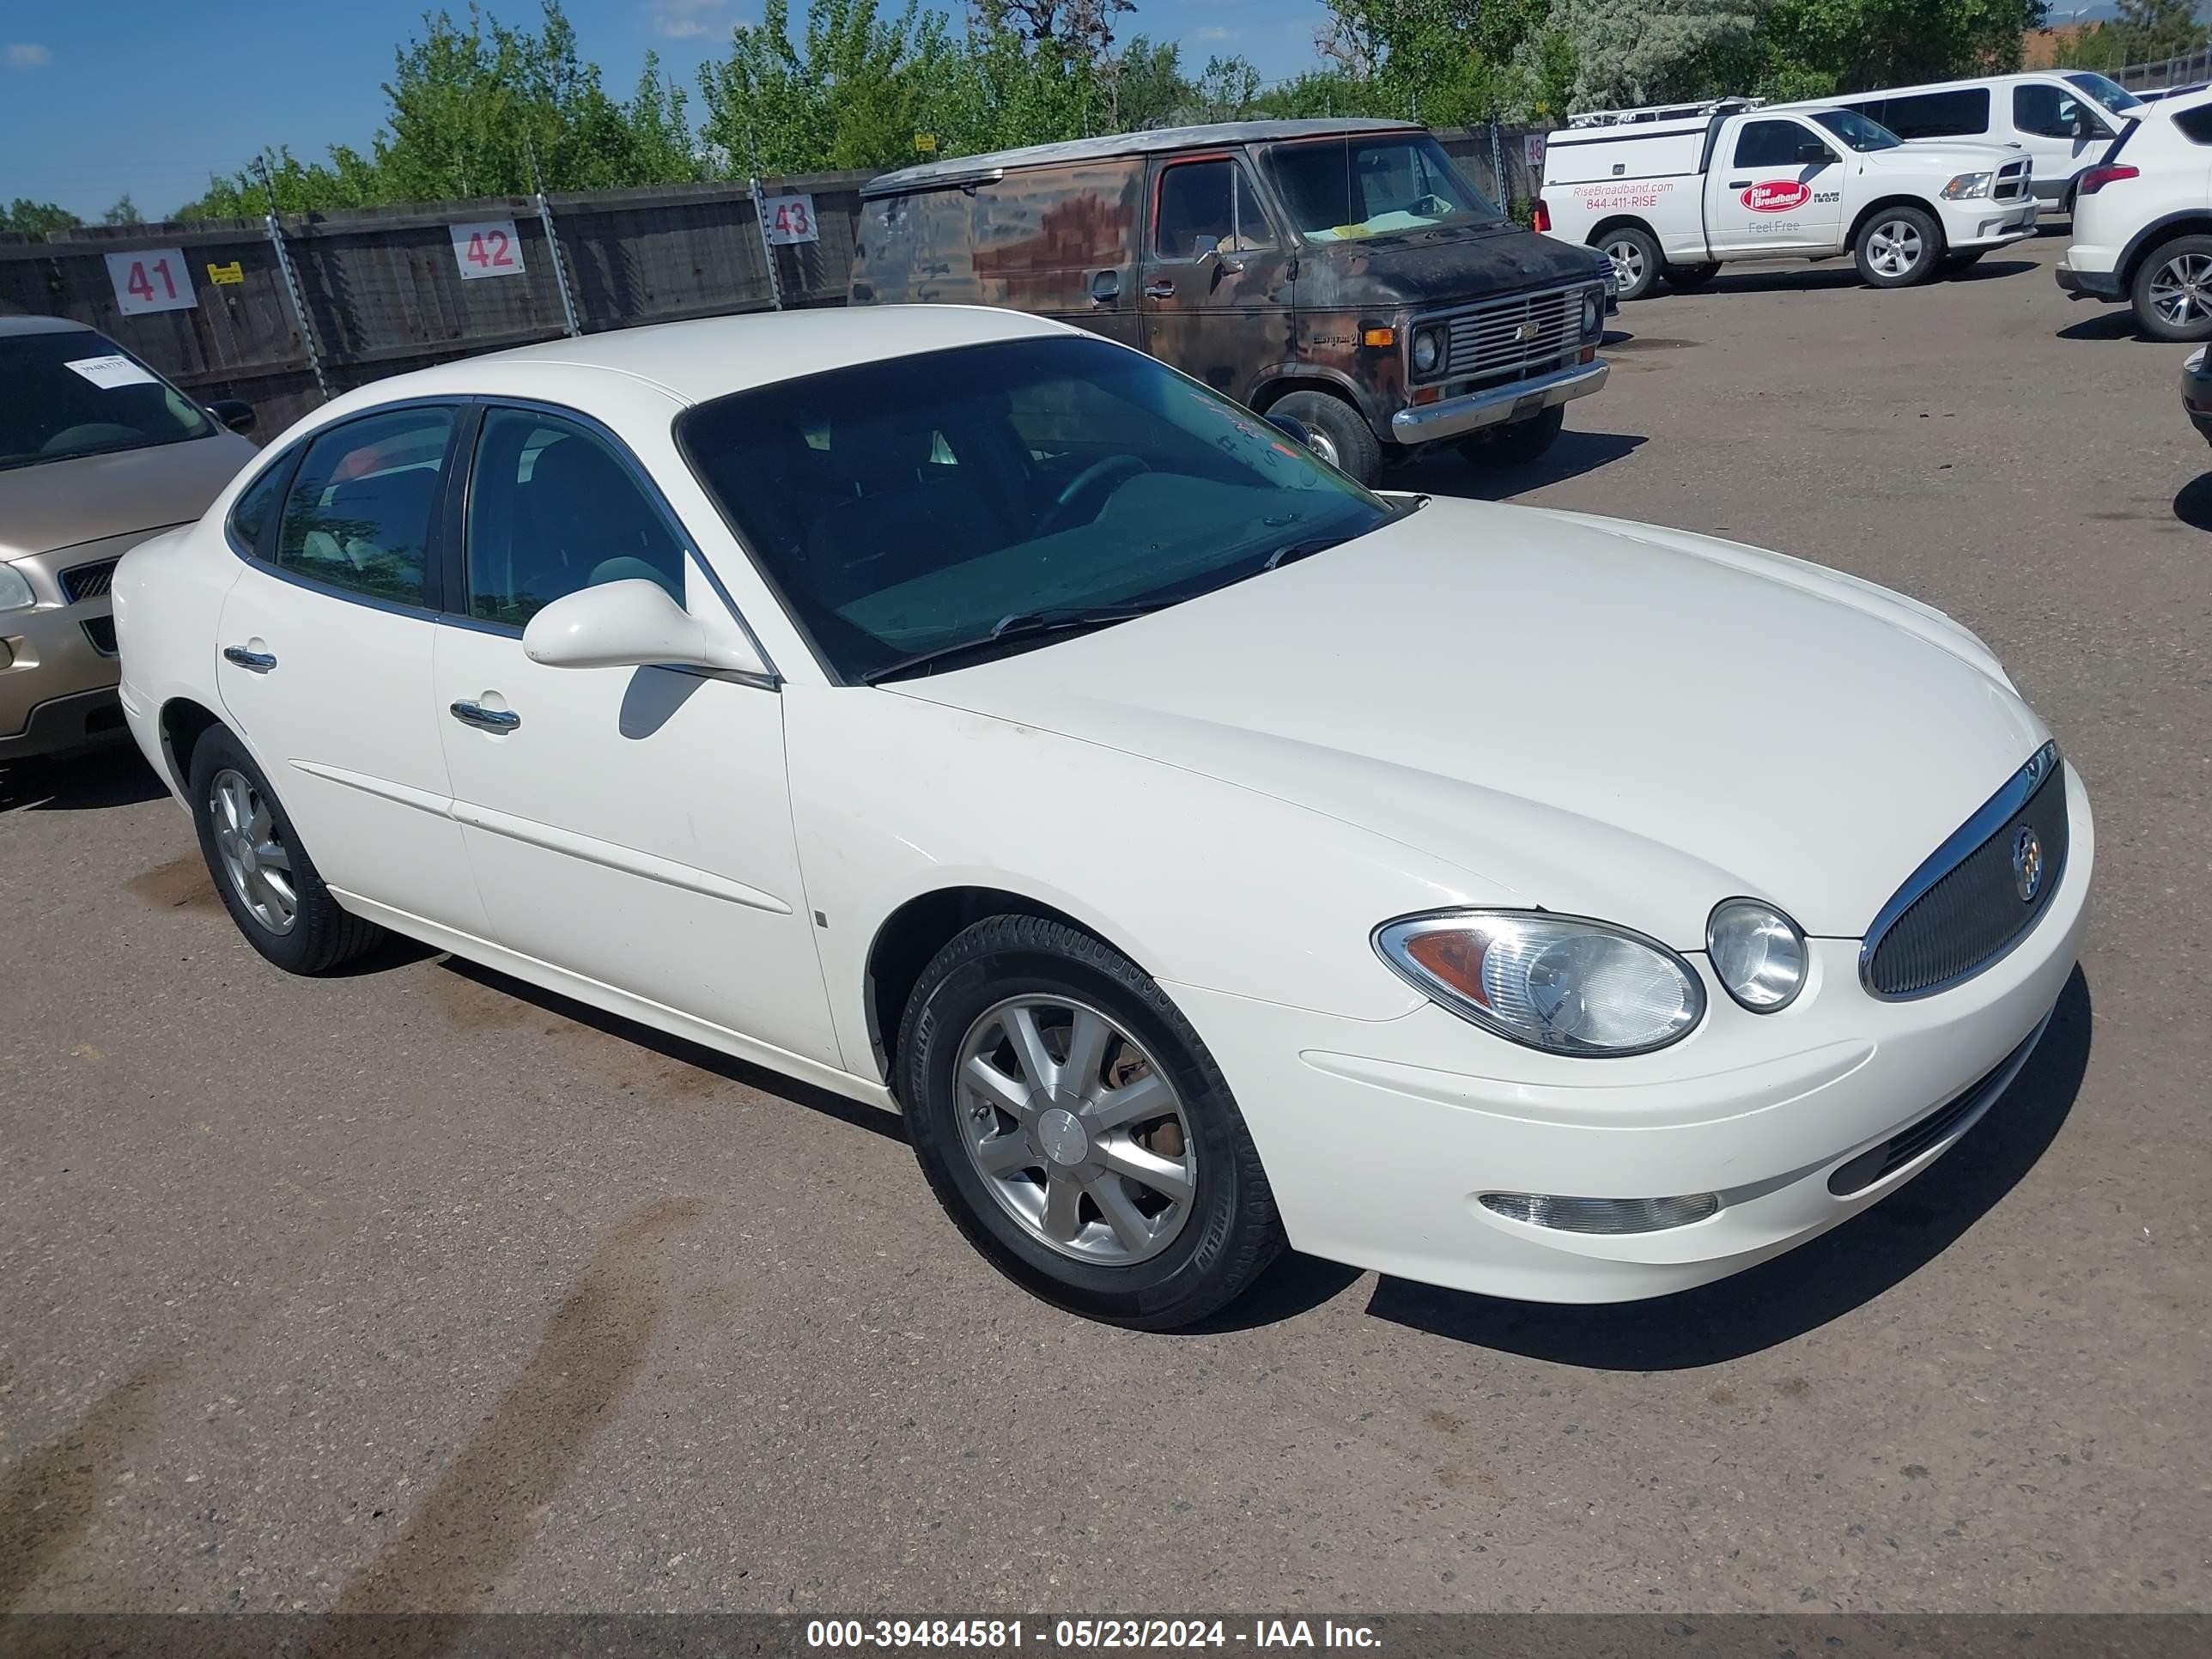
{"type": "Point", "coordinates": [1782, 1299]}
{"type": "Point", "coordinates": [2115, 323]}
{"type": "Point", "coordinates": [106, 777]}
{"type": "Point", "coordinates": [2193, 505]}
{"type": "Point", "coordinates": [1447, 473]}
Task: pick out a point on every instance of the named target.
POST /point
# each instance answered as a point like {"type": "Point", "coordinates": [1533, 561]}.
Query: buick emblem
{"type": "Point", "coordinates": [2027, 863]}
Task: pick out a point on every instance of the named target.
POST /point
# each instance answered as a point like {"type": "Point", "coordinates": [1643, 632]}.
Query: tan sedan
{"type": "Point", "coordinates": [97, 453]}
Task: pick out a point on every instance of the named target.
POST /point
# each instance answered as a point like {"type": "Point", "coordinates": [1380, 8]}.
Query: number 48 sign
{"type": "Point", "coordinates": [151, 279]}
{"type": "Point", "coordinates": [487, 249]}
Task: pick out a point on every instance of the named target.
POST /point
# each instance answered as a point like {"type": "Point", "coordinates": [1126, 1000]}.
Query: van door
{"type": "Point", "coordinates": [2062, 129]}
{"type": "Point", "coordinates": [1780, 187]}
{"type": "Point", "coordinates": [1216, 273]}
{"type": "Point", "coordinates": [1061, 242]}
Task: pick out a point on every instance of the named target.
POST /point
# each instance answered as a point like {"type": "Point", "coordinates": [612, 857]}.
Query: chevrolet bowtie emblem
{"type": "Point", "coordinates": [1526, 332]}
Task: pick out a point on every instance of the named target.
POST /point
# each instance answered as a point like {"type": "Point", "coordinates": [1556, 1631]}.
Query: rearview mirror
{"type": "Point", "coordinates": [633, 623]}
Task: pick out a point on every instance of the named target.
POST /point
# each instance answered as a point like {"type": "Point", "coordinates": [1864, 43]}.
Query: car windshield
{"type": "Point", "coordinates": [1855, 130]}
{"type": "Point", "coordinates": [2108, 92]}
{"type": "Point", "coordinates": [989, 495]}
{"type": "Point", "coordinates": [73, 393]}
{"type": "Point", "coordinates": [1338, 189]}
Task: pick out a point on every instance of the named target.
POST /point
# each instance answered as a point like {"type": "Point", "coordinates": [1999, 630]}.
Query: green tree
{"type": "Point", "coordinates": [1813, 47]}
{"type": "Point", "coordinates": [37, 218]}
{"type": "Point", "coordinates": [1649, 51]}
{"type": "Point", "coordinates": [661, 149]}
{"type": "Point", "coordinates": [124, 212]}
{"type": "Point", "coordinates": [2149, 30]}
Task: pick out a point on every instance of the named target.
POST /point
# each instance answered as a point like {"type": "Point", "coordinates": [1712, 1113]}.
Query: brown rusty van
{"type": "Point", "coordinates": [1341, 273]}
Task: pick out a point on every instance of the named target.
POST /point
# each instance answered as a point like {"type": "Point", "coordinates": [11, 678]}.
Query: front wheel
{"type": "Point", "coordinates": [1076, 1130]}
{"type": "Point", "coordinates": [1635, 262]}
{"type": "Point", "coordinates": [1336, 431]}
{"type": "Point", "coordinates": [2172, 290]}
{"type": "Point", "coordinates": [1897, 247]}
{"type": "Point", "coordinates": [1518, 444]}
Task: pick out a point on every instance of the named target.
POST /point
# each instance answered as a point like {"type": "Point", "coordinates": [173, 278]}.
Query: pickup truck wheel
{"type": "Point", "coordinates": [1898, 247]}
{"type": "Point", "coordinates": [2172, 290]}
{"type": "Point", "coordinates": [1696, 275]}
{"type": "Point", "coordinates": [1338, 433]}
{"type": "Point", "coordinates": [1517, 444]}
{"type": "Point", "coordinates": [1636, 262]}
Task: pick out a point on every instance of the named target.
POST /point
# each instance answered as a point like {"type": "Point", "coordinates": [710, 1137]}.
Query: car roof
{"type": "Point", "coordinates": [1871, 93]}
{"type": "Point", "coordinates": [711, 356]}
{"type": "Point", "coordinates": [959, 169]}
{"type": "Point", "coordinates": [44, 325]}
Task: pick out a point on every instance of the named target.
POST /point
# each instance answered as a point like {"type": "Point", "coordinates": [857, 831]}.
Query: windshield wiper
{"type": "Point", "coordinates": [1019, 625]}
{"type": "Point", "coordinates": [1299, 550]}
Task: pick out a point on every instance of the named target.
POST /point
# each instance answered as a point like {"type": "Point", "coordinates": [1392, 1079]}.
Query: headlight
{"type": "Point", "coordinates": [1758, 954]}
{"type": "Point", "coordinates": [1428, 351]}
{"type": "Point", "coordinates": [14, 591]}
{"type": "Point", "coordinates": [1593, 312]}
{"type": "Point", "coordinates": [1559, 983]}
{"type": "Point", "coordinates": [1967, 184]}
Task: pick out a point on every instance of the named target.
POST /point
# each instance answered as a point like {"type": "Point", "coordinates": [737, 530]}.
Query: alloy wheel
{"type": "Point", "coordinates": [1077, 1132]}
{"type": "Point", "coordinates": [2181, 292]}
{"type": "Point", "coordinates": [1627, 265]}
{"type": "Point", "coordinates": [252, 851]}
{"type": "Point", "coordinates": [1895, 248]}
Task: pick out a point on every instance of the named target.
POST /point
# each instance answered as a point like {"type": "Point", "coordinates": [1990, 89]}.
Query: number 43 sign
{"type": "Point", "coordinates": [488, 249]}
{"type": "Point", "coordinates": [151, 279]}
{"type": "Point", "coordinates": [788, 219]}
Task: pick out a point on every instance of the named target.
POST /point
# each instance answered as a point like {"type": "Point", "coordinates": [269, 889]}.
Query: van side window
{"type": "Point", "coordinates": [2050, 112]}
{"type": "Point", "coordinates": [1209, 201]}
{"type": "Point", "coordinates": [1770, 143]}
{"type": "Point", "coordinates": [1937, 114]}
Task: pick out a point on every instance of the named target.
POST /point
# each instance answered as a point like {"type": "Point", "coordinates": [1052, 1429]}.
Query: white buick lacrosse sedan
{"type": "Point", "coordinates": [972, 716]}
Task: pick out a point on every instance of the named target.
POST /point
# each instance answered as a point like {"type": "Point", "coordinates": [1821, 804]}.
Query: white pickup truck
{"type": "Point", "coordinates": [1675, 196]}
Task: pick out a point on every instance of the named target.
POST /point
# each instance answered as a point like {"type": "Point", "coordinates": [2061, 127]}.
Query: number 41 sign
{"type": "Point", "coordinates": [488, 249]}
{"type": "Point", "coordinates": [151, 279]}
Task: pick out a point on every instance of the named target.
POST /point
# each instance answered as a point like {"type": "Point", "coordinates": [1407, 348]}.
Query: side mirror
{"type": "Point", "coordinates": [633, 624]}
{"type": "Point", "coordinates": [1814, 153]}
{"type": "Point", "coordinates": [1295, 430]}
{"type": "Point", "coordinates": [234, 412]}
{"type": "Point", "coordinates": [1203, 248]}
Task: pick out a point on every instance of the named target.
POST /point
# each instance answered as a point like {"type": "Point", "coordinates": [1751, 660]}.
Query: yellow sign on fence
{"type": "Point", "coordinates": [926, 143]}
{"type": "Point", "coordinates": [232, 272]}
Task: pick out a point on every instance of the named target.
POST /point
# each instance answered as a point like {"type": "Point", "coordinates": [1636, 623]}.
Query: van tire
{"type": "Point", "coordinates": [1898, 247]}
{"type": "Point", "coordinates": [1689, 276]}
{"type": "Point", "coordinates": [2184, 253]}
{"type": "Point", "coordinates": [1515, 445]}
{"type": "Point", "coordinates": [1340, 433]}
{"type": "Point", "coordinates": [1636, 262]}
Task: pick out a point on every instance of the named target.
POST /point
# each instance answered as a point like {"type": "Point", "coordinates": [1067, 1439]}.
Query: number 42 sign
{"type": "Point", "coordinates": [151, 279]}
{"type": "Point", "coordinates": [487, 249]}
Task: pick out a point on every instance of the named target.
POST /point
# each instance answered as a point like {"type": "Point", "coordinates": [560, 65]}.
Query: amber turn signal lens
{"type": "Point", "coordinates": [1379, 336]}
{"type": "Point", "coordinates": [1453, 957]}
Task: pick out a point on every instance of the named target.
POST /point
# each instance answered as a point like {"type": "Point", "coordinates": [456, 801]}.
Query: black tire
{"type": "Point", "coordinates": [1689, 276]}
{"type": "Point", "coordinates": [2199, 324]}
{"type": "Point", "coordinates": [1635, 259]}
{"type": "Point", "coordinates": [1342, 436]}
{"type": "Point", "coordinates": [1230, 1232]}
{"type": "Point", "coordinates": [1925, 235]}
{"type": "Point", "coordinates": [1518, 444]}
{"type": "Point", "coordinates": [322, 935]}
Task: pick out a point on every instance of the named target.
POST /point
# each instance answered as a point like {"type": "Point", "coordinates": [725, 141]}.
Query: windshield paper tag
{"type": "Point", "coordinates": [111, 371]}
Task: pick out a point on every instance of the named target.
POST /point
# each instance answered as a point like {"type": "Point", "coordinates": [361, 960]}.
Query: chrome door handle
{"type": "Point", "coordinates": [258, 662]}
{"type": "Point", "coordinates": [491, 719]}
{"type": "Point", "coordinates": [1162, 289]}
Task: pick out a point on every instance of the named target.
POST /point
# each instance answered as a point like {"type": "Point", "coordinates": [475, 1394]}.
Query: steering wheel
{"type": "Point", "coordinates": [1101, 478]}
{"type": "Point", "coordinates": [88, 432]}
{"type": "Point", "coordinates": [1432, 206]}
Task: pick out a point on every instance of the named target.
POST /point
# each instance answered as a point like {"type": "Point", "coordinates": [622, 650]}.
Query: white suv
{"type": "Point", "coordinates": [2142, 222]}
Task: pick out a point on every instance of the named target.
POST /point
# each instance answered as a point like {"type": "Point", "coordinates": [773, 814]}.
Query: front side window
{"type": "Point", "coordinates": [74, 393]}
{"type": "Point", "coordinates": [1344, 188]}
{"type": "Point", "coordinates": [361, 510]}
{"type": "Point", "coordinates": [2050, 112]}
{"type": "Point", "coordinates": [551, 510]}
{"type": "Point", "coordinates": [2106, 91]}
{"type": "Point", "coordinates": [1956, 114]}
{"type": "Point", "coordinates": [984, 497]}
{"type": "Point", "coordinates": [1209, 204]}
{"type": "Point", "coordinates": [1771, 144]}
{"type": "Point", "coordinates": [1855, 130]}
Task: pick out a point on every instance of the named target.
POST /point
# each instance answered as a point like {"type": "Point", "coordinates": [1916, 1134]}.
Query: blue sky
{"type": "Point", "coordinates": [148, 97]}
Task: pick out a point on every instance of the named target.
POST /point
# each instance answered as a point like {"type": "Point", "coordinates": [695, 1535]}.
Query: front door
{"type": "Point", "coordinates": [630, 824]}
{"type": "Point", "coordinates": [325, 666]}
{"type": "Point", "coordinates": [2063, 130]}
{"type": "Point", "coordinates": [1782, 189]}
{"type": "Point", "coordinates": [1216, 274]}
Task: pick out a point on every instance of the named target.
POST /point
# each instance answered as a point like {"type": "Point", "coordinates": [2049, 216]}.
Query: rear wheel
{"type": "Point", "coordinates": [1635, 262]}
{"type": "Point", "coordinates": [1515, 445]}
{"type": "Point", "coordinates": [1897, 247]}
{"type": "Point", "coordinates": [1337, 432]}
{"type": "Point", "coordinates": [1696, 275]}
{"type": "Point", "coordinates": [2172, 290]}
{"type": "Point", "coordinates": [1077, 1131]}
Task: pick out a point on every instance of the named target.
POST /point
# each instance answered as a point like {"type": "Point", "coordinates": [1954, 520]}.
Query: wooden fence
{"type": "Point", "coordinates": [382, 289]}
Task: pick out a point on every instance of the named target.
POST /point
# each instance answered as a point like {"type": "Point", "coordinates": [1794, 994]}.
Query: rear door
{"type": "Point", "coordinates": [1061, 242]}
{"type": "Point", "coordinates": [1217, 272]}
{"type": "Point", "coordinates": [1777, 186]}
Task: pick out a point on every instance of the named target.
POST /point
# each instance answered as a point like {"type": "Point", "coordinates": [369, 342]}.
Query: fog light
{"type": "Point", "coordinates": [1602, 1215]}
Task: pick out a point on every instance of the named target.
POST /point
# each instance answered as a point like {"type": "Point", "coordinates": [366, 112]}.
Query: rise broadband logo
{"type": "Point", "coordinates": [1777, 196]}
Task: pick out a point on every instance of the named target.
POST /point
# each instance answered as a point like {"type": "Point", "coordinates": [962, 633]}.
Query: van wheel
{"type": "Point", "coordinates": [1636, 262]}
{"type": "Point", "coordinates": [1338, 433]}
{"type": "Point", "coordinates": [2172, 290]}
{"type": "Point", "coordinates": [1689, 277]}
{"type": "Point", "coordinates": [1515, 445]}
{"type": "Point", "coordinates": [1897, 247]}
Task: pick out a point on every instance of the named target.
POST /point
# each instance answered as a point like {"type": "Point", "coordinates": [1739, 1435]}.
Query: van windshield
{"type": "Point", "coordinates": [1855, 130]}
{"type": "Point", "coordinates": [1341, 189]}
{"type": "Point", "coordinates": [2108, 92]}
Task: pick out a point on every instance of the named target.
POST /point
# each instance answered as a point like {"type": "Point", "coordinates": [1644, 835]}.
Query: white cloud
{"type": "Point", "coordinates": [28, 56]}
{"type": "Point", "coordinates": [683, 20]}
{"type": "Point", "coordinates": [1214, 32]}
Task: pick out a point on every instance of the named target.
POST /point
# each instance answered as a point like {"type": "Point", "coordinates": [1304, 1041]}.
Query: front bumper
{"type": "Point", "coordinates": [56, 676]}
{"type": "Point", "coordinates": [1378, 1137]}
{"type": "Point", "coordinates": [1454, 417]}
{"type": "Point", "coordinates": [1982, 224]}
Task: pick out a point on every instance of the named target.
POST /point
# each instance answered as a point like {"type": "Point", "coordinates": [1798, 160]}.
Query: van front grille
{"type": "Point", "coordinates": [1507, 339]}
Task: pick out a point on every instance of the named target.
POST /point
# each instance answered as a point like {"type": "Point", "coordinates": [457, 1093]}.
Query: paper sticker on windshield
{"type": "Point", "coordinates": [111, 371]}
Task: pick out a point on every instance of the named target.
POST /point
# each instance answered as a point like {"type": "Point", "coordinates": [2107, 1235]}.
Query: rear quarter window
{"type": "Point", "coordinates": [1959, 114]}
{"type": "Point", "coordinates": [2195, 125]}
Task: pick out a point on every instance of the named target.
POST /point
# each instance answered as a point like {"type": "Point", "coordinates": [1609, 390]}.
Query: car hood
{"type": "Point", "coordinates": [1584, 714]}
{"type": "Point", "coordinates": [1448, 267]}
{"type": "Point", "coordinates": [1917, 155]}
{"type": "Point", "coordinates": [61, 503]}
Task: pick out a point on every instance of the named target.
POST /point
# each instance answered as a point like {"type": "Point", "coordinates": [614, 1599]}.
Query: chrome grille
{"type": "Point", "coordinates": [1507, 338]}
{"type": "Point", "coordinates": [1962, 909]}
{"type": "Point", "coordinates": [89, 581]}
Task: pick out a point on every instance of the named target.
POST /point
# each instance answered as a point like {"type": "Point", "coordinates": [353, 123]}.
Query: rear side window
{"type": "Point", "coordinates": [249, 513]}
{"type": "Point", "coordinates": [1935, 114]}
{"type": "Point", "coordinates": [360, 511]}
{"type": "Point", "coordinates": [1770, 143]}
{"type": "Point", "coordinates": [2195, 125]}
